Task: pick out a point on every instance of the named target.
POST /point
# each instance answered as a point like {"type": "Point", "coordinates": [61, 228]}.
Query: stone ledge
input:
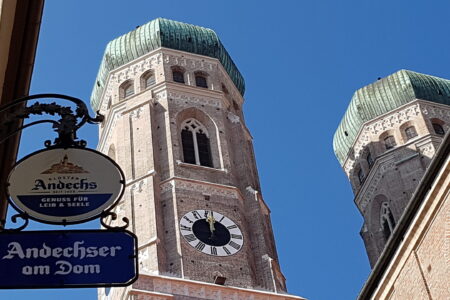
{"type": "Point", "coordinates": [167, 287]}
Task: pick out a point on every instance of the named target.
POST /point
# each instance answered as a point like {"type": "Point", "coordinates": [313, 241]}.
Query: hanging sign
{"type": "Point", "coordinates": [64, 186]}
{"type": "Point", "coordinates": [67, 259]}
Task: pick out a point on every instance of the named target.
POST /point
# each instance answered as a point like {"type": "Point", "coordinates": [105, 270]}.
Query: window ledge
{"type": "Point", "coordinates": [187, 165]}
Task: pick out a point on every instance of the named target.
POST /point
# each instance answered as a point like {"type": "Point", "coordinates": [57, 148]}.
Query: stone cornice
{"type": "Point", "coordinates": [161, 55]}
{"type": "Point", "coordinates": [204, 186]}
{"type": "Point", "coordinates": [167, 286]}
{"type": "Point", "coordinates": [391, 120]}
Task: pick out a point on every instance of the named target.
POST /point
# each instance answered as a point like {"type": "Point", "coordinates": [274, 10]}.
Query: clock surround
{"type": "Point", "coordinates": [211, 232]}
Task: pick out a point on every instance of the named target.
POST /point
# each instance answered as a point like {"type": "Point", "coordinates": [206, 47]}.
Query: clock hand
{"type": "Point", "coordinates": [210, 219]}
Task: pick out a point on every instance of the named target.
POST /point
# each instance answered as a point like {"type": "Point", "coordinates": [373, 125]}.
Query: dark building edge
{"type": "Point", "coordinates": [19, 68]}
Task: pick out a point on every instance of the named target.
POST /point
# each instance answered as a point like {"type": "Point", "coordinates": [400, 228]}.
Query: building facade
{"type": "Point", "coordinates": [385, 142]}
{"type": "Point", "coordinates": [172, 97]}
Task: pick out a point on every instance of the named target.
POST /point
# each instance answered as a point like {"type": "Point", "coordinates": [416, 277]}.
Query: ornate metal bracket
{"type": "Point", "coordinates": [66, 127]}
{"type": "Point", "coordinates": [113, 216]}
{"type": "Point", "coordinates": [14, 218]}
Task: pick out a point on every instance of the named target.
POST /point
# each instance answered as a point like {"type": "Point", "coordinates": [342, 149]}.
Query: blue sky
{"type": "Point", "coordinates": [302, 61]}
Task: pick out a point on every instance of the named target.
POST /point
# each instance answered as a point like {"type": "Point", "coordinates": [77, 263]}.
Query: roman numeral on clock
{"type": "Point", "coordinates": [183, 227]}
{"type": "Point", "coordinates": [226, 250]}
{"type": "Point", "coordinates": [208, 213]}
{"type": "Point", "coordinates": [196, 215]}
{"type": "Point", "coordinates": [190, 237]}
{"type": "Point", "coordinates": [232, 226]}
{"type": "Point", "coordinates": [234, 245]}
{"type": "Point", "coordinates": [236, 236]}
{"type": "Point", "coordinates": [187, 219]}
{"type": "Point", "coordinates": [200, 246]}
{"type": "Point", "coordinates": [213, 250]}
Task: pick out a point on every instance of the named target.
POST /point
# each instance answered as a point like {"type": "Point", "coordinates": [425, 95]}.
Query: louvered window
{"type": "Point", "coordinates": [149, 80]}
{"type": "Point", "coordinates": [128, 90]}
{"type": "Point", "coordinates": [178, 76]}
{"type": "Point", "coordinates": [410, 132]}
{"type": "Point", "coordinates": [389, 142]}
{"type": "Point", "coordinates": [200, 81]}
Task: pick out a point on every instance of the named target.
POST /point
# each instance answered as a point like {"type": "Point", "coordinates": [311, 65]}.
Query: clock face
{"type": "Point", "coordinates": [211, 232]}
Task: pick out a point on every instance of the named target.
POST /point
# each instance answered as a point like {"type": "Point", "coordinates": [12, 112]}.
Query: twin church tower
{"type": "Point", "coordinates": [385, 142]}
{"type": "Point", "coordinates": [172, 99]}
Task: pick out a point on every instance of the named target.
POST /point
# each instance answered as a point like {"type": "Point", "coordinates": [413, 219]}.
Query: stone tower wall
{"type": "Point", "coordinates": [394, 173]}
{"type": "Point", "coordinates": [142, 133]}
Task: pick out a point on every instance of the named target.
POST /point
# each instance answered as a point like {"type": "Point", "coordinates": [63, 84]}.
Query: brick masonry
{"type": "Point", "coordinates": [420, 268]}
{"type": "Point", "coordinates": [142, 133]}
{"type": "Point", "coordinates": [395, 172]}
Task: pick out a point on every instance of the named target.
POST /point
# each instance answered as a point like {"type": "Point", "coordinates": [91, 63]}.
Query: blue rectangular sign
{"type": "Point", "coordinates": [67, 259]}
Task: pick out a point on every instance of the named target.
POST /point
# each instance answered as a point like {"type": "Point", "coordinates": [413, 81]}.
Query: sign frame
{"type": "Point", "coordinates": [64, 222]}
{"type": "Point", "coordinates": [70, 286]}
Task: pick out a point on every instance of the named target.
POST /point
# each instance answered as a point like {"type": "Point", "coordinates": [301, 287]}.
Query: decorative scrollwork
{"type": "Point", "coordinates": [113, 216]}
{"type": "Point", "coordinates": [14, 220]}
{"type": "Point", "coordinates": [66, 126]}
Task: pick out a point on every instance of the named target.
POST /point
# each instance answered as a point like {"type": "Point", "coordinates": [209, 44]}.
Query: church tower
{"type": "Point", "coordinates": [172, 99]}
{"type": "Point", "coordinates": [385, 141]}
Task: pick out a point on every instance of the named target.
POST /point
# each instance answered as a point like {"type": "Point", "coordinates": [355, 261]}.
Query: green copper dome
{"type": "Point", "coordinates": [383, 96]}
{"type": "Point", "coordinates": [163, 33]}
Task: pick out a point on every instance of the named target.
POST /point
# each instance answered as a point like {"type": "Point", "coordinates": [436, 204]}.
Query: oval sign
{"type": "Point", "coordinates": [63, 186]}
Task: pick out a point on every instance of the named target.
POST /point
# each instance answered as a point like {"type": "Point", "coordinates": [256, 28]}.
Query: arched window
{"type": "Point", "coordinates": [200, 80]}
{"type": "Point", "coordinates": [369, 159]}
{"type": "Point", "coordinates": [126, 89]}
{"type": "Point", "coordinates": [438, 128]}
{"type": "Point", "coordinates": [196, 145]}
{"type": "Point", "coordinates": [389, 142]}
{"type": "Point", "coordinates": [386, 220]}
{"type": "Point", "coordinates": [178, 74]}
{"type": "Point", "coordinates": [410, 132]}
{"type": "Point", "coordinates": [147, 80]}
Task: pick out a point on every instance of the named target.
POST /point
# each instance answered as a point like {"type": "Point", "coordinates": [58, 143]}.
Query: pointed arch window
{"type": "Point", "coordinates": [438, 129]}
{"type": "Point", "coordinates": [386, 220]}
{"type": "Point", "coordinates": [361, 176]}
{"type": "Point", "coordinates": [196, 144]}
{"type": "Point", "coordinates": [369, 159]}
